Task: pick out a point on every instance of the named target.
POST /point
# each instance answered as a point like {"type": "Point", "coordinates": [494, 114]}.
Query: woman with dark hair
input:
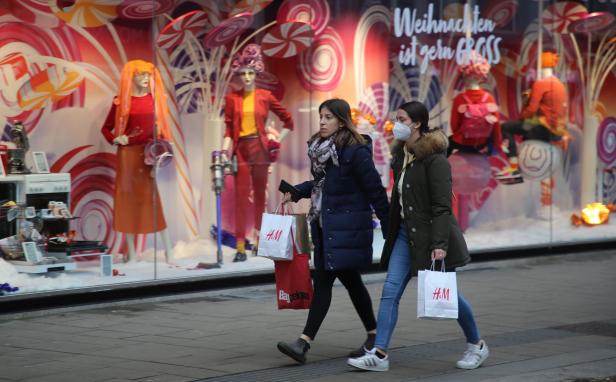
{"type": "Point", "coordinates": [422, 229]}
{"type": "Point", "coordinates": [345, 189]}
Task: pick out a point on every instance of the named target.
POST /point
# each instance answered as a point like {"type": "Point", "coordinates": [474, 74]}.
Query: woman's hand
{"type": "Point", "coordinates": [121, 140]}
{"type": "Point", "coordinates": [438, 254]}
{"type": "Point", "coordinates": [286, 197]}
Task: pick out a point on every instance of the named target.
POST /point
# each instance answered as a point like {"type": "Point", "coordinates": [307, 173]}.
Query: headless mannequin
{"type": "Point", "coordinates": [140, 88]}
{"type": "Point", "coordinates": [248, 77]}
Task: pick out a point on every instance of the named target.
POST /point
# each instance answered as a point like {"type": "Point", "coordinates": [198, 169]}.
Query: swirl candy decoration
{"type": "Point", "coordinates": [92, 189]}
{"type": "Point", "coordinates": [252, 6]}
{"type": "Point", "coordinates": [539, 160]}
{"type": "Point", "coordinates": [144, 9]}
{"type": "Point", "coordinates": [606, 142]}
{"type": "Point", "coordinates": [609, 186]}
{"type": "Point", "coordinates": [177, 31]}
{"type": "Point", "coordinates": [313, 12]}
{"type": "Point", "coordinates": [322, 67]}
{"type": "Point", "coordinates": [501, 12]}
{"type": "Point", "coordinates": [558, 16]}
{"type": "Point", "coordinates": [228, 30]}
{"type": "Point", "coordinates": [592, 22]}
{"type": "Point", "coordinates": [287, 40]}
{"type": "Point", "coordinates": [87, 13]}
{"type": "Point", "coordinates": [48, 86]}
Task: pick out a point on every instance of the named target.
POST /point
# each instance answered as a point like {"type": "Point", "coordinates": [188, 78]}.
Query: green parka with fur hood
{"type": "Point", "coordinates": [426, 199]}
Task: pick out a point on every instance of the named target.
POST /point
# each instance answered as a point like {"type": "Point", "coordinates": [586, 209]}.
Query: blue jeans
{"type": "Point", "coordinates": [399, 274]}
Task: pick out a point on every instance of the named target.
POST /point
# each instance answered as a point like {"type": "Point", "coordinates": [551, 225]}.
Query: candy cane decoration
{"type": "Point", "coordinates": [373, 15]}
{"type": "Point", "coordinates": [182, 165]}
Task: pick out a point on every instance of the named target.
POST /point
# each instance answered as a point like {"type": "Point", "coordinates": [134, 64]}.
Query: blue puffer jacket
{"type": "Point", "coordinates": [350, 192]}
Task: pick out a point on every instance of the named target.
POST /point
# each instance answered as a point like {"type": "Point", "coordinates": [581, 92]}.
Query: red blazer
{"type": "Point", "coordinates": [264, 102]}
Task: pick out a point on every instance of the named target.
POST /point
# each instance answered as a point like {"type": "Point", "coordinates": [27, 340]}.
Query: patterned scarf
{"type": "Point", "coordinates": [319, 152]}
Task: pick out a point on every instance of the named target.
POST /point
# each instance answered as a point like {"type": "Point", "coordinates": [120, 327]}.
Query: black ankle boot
{"type": "Point", "coordinates": [368, 345]}
{"type": "Point", "coordinates": [296, 349]}
{"type": "Point", "coordinates": [239, 256]}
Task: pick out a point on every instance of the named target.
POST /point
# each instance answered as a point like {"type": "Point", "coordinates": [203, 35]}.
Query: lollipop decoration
{"type": "Point", "coordinates": [322, 67]}
{"type": "Point", "coordinates": [501, 12]}
{"type": "Point", "coordinates": [87, 13]}
{"type": "Point", "coordinates": [313, 12]}
{"type": "Point", "coordinates": [606, 142]}
{"type": "Point", "coordinates": [287, 40]}
{"type": "Point", "coordinates": [558, 16]}
{"type": "Point", "coordinates": [143, 9]}
{"type": "Point", "coordinates": [228, 29]}
{"type": "Point", "coordinates": [592, 22]}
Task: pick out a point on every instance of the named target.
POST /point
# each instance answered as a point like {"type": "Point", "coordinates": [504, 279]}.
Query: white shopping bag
{"type": "Point", "coordinates": [437, 294]}
{"type": "Point", "coordinates": [275, 239]}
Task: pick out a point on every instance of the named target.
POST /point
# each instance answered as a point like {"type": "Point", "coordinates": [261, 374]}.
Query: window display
{"type": "Point", "coordinates": [522, 89]}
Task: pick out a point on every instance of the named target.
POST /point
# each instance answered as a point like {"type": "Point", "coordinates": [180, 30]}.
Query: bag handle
{"type": "Point", "coordinates": [434, 265]}
{"type": "Point", "coordinates": [281, 208]}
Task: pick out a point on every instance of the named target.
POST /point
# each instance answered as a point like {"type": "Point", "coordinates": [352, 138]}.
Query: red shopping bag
{"type": "Point", "coordinates": [293, 283]}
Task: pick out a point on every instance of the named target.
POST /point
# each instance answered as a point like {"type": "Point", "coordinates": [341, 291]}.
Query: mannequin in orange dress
{"type": "Point", "coordinates": [138, 115]}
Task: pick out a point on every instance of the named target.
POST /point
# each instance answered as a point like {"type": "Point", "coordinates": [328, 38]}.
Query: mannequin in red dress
{"type": "Point", "coordinates": [246, 137]}
{"type": "Point", "coordinates": [137, 206]}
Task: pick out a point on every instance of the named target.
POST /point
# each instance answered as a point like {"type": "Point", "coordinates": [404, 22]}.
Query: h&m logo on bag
{"type": "Point", "coordinates": [273, 235]}
{"type": "Point", "coordinates": [284, 296]}
{"type": "Point", "coordinates": [439, 294]}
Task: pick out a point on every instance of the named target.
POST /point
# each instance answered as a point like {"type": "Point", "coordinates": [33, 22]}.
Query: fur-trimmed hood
{"type": "Point", "coordinates": [433, 142]}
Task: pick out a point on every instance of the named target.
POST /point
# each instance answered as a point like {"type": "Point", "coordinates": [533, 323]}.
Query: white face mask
{"type": "Point", "coordinates": [401, 131]}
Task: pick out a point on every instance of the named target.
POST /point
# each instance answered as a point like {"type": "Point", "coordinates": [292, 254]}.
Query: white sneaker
{"type": "Point", "coordinates": [370, 361]}
{"type": "Point", "coordinates": [474, 356]}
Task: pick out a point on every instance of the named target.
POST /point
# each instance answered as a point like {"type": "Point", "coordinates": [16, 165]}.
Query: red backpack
{"type": "Point", "coordinates": [478, 119]}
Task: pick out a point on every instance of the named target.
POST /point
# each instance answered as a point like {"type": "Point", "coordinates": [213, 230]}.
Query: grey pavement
{"type": "Point", "coordinates": [544, 319]}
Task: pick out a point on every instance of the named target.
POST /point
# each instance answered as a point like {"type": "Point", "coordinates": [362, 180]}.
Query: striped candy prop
{"type": "Point", "coordinates": [606, 142]}
{"type": "Point", "coordinates": [144, 9]}
{"type": "Point", "coordinates": [287, 40]}
{"type": "Point", "coordinates": [49, 86]}
{"type": "Point", "coordinates": [87, 13]}
{"type": "Point", "coordinates": [592, 22]}
{"type": "Point", "coordinates": [177, 31]}
{"type": "Point", "coordinates": [313, 12]}
{"type": "Point", "coordinates": [539, 160]}
{"type": "Point", "coordinates": [558, 16]}
{"type": "Point", "coordinates": [322, 67]}
{"type": "Point", "coordinates": [228, 29]}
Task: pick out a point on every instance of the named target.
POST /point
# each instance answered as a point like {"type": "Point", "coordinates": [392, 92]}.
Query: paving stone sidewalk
{"type": "Point", "coordinates": [545, 319]}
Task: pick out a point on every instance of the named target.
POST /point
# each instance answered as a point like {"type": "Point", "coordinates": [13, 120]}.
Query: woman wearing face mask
{"type": "Point", "coordinates": [421, 229]}
{"type": "Point", "coordinates": [345, 189]}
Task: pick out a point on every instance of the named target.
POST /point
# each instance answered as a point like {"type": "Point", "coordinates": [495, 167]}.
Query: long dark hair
{"type": "Point", "coordinates": [347, 134]}
{"type": "Point", "coordinates": [418, 112]}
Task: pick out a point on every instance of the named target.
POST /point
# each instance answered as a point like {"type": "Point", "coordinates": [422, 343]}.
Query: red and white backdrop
{"type": "Point", "coordinates": [60, 62]}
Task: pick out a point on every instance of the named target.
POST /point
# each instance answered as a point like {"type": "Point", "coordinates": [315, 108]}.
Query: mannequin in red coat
{"type": "Point", "coordinates": [246, 112]}
{"type": "Point", "coordinates": [474, 72]}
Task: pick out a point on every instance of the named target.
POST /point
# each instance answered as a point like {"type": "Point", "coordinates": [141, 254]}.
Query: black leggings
{"type": "Point", "coordinates": [323, 283]}
{"type": "Point", "coordinates": [528, 131]}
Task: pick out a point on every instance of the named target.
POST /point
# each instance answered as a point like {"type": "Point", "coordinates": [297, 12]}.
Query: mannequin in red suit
{"type": "Point", "coordinates": [246, 112]}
